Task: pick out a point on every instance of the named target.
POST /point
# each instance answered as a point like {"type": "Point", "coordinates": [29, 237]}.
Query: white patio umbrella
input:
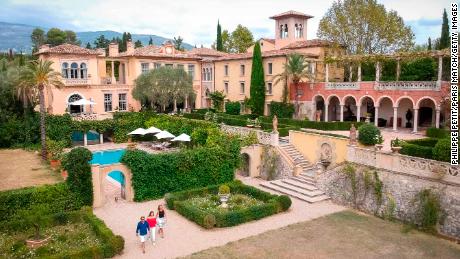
{"type": "Point", "coordinates": [182, 137]}
{"type": "Point", "coordinates": [82, 102]}
{"type": "Point", "coordinates": [138, 131]}
{"type": "Point", "coordinates": [152, 130]}
{"type": "Point", "coordinates": [164, 134]}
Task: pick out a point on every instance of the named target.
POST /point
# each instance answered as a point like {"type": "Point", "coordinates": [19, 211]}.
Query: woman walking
{"type": "Point", "coordinates": [161, 220]}
{"type": "Point", "coordinates": [152, 220]}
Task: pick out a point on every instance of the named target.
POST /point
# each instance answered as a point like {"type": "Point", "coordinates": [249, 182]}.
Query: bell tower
{"type": "Point", "coordinates": [290, 26]}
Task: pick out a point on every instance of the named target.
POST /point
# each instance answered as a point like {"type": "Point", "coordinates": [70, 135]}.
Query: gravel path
{"type": "Point", "coordinates": [183, 237]}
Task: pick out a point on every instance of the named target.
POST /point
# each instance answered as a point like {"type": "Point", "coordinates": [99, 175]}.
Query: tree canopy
{"type": "Point", "coordinates": [38, 38]}
{"type": "Point", "coordinates": [163, 85]}
{"type": "Point", "coordinates": [444, 41]}
{"type": "Point", "coordinates": [257, 93]}
{"type": "Point", "coordinates": [178, 43]}
{"type": "Point", "coordinates": [364, 26]}
{"type": "Point", "coordinates": [236, 42]}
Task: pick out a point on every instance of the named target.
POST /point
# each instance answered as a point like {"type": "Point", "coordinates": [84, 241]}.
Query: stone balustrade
{"type": "Point", "coordinates": [414, 166]}
{"type": "Point", "coordinates": [407, 85]}
{"type": "Point", "coordinates": [91, 117]}
{"type": "Point", "coordinates": [76, 81]}
{"type": "Point", "coordinates": [342, 85]}
{"type": "Point", "coordinates": [263, 137]}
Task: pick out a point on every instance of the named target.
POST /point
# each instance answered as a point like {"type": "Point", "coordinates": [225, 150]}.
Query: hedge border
{"type": "Point", "coordinates": [273, 204]}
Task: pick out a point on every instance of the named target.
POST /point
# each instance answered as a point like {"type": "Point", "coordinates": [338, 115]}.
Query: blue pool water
{"type": "Point", "coordinates": [107, 157]}
{"type": "Point", "coordinates": [91, 135]}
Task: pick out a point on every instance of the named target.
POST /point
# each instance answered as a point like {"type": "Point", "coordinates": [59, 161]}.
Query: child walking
{"type": "Point", "coordinates": [152, 220]}
{"type": "Point", "coordinates": [161, 220]}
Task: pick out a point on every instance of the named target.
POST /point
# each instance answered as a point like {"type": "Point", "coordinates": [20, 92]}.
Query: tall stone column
{"type": "Point", "coordinates": [341, 112]}
{"type": "Point", "coordinates": [438, 114]}
{"type": "Point", "coordinates": [85, 139]}
{"type": "Point", "coordinates": [359, 72]}
{"type": "Point", "coordinates": [439, 68]}
{"type": "Point", "coordinates": [395, 118]}
{"type": "Point", "coordinates": [377, 71]}
{"type": "Point", "coordinates": [415, 120]}
{"type": "Point", "coordinates": [186, 104]}
{"type": "Point", "coordinates": [113, 72]}
{"type": "Point", "coordinates": [101, 138]}
{"type": "Point", "coordinates": [376, 117]}
{"type": "Point", "coordinates": [351, 73]}
{"type": "Point", "coordinates": [175, 105]}
{"type": "Point", "coordinates": [398, 69]}
{"type": "Point", "coordinates": [326, 112]}
{"type": "Point", "coordinates": [358, 112]}
{"type": "Point", "coordinates": [327, 72]}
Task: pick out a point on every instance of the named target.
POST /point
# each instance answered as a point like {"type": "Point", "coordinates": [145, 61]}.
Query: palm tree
{"type": "Point", "coordinates": [296, 69]}
{"type": "Point", "coordinates": [35, 78]}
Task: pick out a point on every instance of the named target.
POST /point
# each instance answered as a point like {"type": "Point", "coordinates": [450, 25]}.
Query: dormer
{"type": "Point", "coordinates": [168, 48]}
{"type": "Point", "coordinates": [290, 26]}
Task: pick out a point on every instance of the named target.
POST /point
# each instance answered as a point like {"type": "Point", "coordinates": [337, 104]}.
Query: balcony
{"type": "Point", "coordinates": [408, 85]}
{"type": "Point", "coordinates": [342, 86]}
{"type": "Point", "coordinates": [76, 81]}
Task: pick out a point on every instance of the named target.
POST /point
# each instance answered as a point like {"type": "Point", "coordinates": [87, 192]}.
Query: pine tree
{"type": "Point", "coordinates": [257, 88]}
{"type": "Point", "coordinates": [444, 40]}
{"type": "Point", "coordinates": [137, 44]}
{"type": "Point", "coordinates": [429, 44]}
{"type": "Point", "coordinates": [219, 44]}
{"type": "Point", "coordinates": [88, 45]}
{"type": "Point", "coordinates": [151, 41]}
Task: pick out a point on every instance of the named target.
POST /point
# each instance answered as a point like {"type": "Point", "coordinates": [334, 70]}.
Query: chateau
{"type": "Point", "coordinates": [108, 80]}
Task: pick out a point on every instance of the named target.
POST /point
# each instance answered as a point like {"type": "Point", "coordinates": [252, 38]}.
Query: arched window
{"type": "Point", "coordinates": [210, 74]}
{"type": "Point", "coordinates": [285, 31]}
{"type": "Point", "coordinates": [74, 108]}
{"type": "Point", "coordinates": [300, 31]}
{"type": "Point", "coordinates": [281, 31]}
{"type": "Point", "coordinates": [203, 74]}
{"type": "Point", "coordinates": [83, 71]}
{"type": "Point", "coordinates": [74, 70]}
{"type": "Point", "coordinates": [296, 31]}
{"type": "Point", "coordinates": [65, 70]}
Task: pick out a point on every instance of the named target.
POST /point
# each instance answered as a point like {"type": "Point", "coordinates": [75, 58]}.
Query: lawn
{"type": "Point", "coordinates": [340, 235]}
{"type": "Point", "coordinates": [20, 168]}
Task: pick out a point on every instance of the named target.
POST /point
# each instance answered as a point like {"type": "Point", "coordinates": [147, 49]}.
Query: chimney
{"type": "Point", "coordinates": [113, 49]}
{"type": "Point", "coordinates": [44, 48]}
{"type": "Point", "coordinates": [129, 47]}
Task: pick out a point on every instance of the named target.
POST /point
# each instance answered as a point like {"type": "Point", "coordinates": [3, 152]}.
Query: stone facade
{"type": "Point", "coordinates": [274, 166]}
{"type": "Point", "coordinates": [399, 189]}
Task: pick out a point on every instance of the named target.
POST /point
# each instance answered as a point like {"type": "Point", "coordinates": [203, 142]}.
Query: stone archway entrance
{"type": "Point", "coordinates": [245, 165]}
{"type": "Point", "coordinates": [102, 191]}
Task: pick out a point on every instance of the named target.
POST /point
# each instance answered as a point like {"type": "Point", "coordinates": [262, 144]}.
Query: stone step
{"type": "Point", "coordinates": [305, 180]}
{"type": "Point", "coordinates": [308, 177]}
{"type": "Point", "coordinates": [294, 182]}
{"type": "Point", "coordinates": [299, 196]}
{"type": "Point", "coordinates": [306, 192]}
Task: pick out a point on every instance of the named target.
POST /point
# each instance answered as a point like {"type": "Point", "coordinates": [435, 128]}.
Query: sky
{"type": "Point", "coordinates": [196, 20]}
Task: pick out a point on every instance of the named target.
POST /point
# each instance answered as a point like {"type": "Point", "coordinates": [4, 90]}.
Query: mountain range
{"type": "Point", "coordinates": [17, 37]}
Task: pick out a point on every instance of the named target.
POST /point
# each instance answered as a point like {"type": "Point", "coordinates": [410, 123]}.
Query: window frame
{"type": "Point", "coordinates": [242, 87]}
{"type": "Point", "coordinates": [143, 69]}
{"type": "Point", "coordinates": [270, 68]}
{"type": "Point", "coordinates": [269, 90]}
{"type": "Point", "coordinates": [122, 101]}
{"type": "Point", "coordinates": [108, 102]}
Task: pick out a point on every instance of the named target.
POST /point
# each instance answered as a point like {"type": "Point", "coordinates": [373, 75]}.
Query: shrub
{"type": "Point", "coordinates": [233, 108]}
{"type": "Point", "coordinates": [429, 209]}
{"type": "Point", "coordinates": [224, 189]}
{"type": "Point", "coordinates": [441, 151]}
{"type": "Point", "coordinates": [425, 142]}
{"type": "Point", "coordinates": [281, 110]}
{"type": "Point", "coordinates": [416, 150]}
{"type": "Point", "coordinates": [209, 221]}
{"type": "Point", "coordinates": [79, 173]}
{"type": "Point", "coordinates": [284, 202]}
{"type": "Point", "coordinates": [368, 134]}
{"type": "Point", "coordinates": [437, 133]}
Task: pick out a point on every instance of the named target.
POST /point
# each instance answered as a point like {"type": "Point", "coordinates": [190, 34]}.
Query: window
{"type": "Point", "coordinates": [226, 70]}
{"type": "Point", "coordinates": [144, 67]}
{"type": "Point", "coordinates": [210, 74]}
{"type": "Point", "coordinates": [269, 88]}
{"type": "Point", "coordinates": [65, 70]}
{"type": "Point", "coordinates": [156, 65]}
{"type": "Point", "coordinates": [74, 70]}
{"type": "Point", "coordinates": [226, 87]}
{"type": "Point", "coordinates": [122, 102]}
{"type": "Point", "coordinates": [241, 87]}
{"type": "Point", "coordinates": [180, 66]}
{"type": "Point", "coordinates": [270, 68]}
{"type": "Point", "coordinates": [242, 68]}
{"type": "Point", "coordinates": [191, 71]}
{"type": "Point", "coordinates": [108, 102]}
{"type": "Point", "coordinates": [169, 65]}
{"type": "Point", "coordinates": [83, 71]}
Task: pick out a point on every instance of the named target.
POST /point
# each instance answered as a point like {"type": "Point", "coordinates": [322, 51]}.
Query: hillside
{"type": "Point", "coordinates": [17, 37]}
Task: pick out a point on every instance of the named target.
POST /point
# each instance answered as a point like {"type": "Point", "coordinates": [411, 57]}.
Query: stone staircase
{"type": "Point", "coordinates": [303, 186]}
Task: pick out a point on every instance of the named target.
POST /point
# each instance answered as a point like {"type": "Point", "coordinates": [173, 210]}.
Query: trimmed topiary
{"type": "Point", "coordinates": [233, 108]}
{"type": "Point", "coordinates": [284, 202]}
{"type": "Point", "coordinates": [441, 151]}
{"type": "Point", "coordinates": [368, 134]}
{"type": "Point", "coordinates": [209, 221]}
{"type": "Point", "coordinates": [224, 189]}
{"type": "Point", "coordinates": [79, 170]}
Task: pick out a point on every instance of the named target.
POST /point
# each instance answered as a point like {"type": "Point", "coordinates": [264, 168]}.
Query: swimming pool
{"type": "Point", "coordinates": [107, 157]}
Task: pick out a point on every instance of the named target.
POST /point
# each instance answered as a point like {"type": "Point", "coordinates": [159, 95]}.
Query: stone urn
{"type": "Point", "coordinates": [223, 200]}
{"type": "Point", "coordinates": [396, 149]}
{"type": "Point", "coordinates": [378, 147]}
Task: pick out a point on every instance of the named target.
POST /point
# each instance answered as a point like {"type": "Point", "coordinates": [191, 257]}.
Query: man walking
{"type": "Point", "coordinates": [142, 231]}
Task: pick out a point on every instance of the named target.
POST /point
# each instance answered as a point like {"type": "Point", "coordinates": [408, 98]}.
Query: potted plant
{"type": "Point", "coordinates": [35, 217]}
{"type": "Point", "coordinates": [257, 123]}
{"type": "Point", "coordinates": [396, 145]}
{"type": "Point", "coordinates": [55, 150]}
{"type": "Point", "coordinates": [368, 117]}
{"type": "Point", "coordinates": [379, 141]}
{"type": "Point", "coordinates": [224, 194]}
{"type": "Point", "coordinates": [249, 123]}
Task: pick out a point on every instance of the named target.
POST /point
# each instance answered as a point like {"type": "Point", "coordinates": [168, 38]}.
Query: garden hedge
{"type": "Point", "coordinates": [417, 150]}
{"type": "Point", "coordinates": [425, 142]}
{"type": "Point", "coordinates": [79, 179]}
{"type": "Point", "coordinates": [154, 175]}
{"type": "Point", "coordinates": [281, 110]}
{"type": "Point", "coordinates": [57, 198]}
{"type": "Point", "coordinates": [273, 204]}
{"type": "Point", "coordinates": [233, 108]}
{"type": "Point", "coordinates": [437, 133]}
{"type": "Point", "coordinates": [442, 149]}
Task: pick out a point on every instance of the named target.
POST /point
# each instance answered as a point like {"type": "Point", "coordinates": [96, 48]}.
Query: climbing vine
{"type": "Point", "coordinates": [269, 162]}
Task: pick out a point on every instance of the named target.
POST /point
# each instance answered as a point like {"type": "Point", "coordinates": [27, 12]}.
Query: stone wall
{"type": "Point", "coordinates": [399, 189]}
{"type": "Point", "coordinates": [274, 166]}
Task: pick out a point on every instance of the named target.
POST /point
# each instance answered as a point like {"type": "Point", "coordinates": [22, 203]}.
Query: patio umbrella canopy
{"type": "Point", "coordinates": [182, 137]}
{"type": "Point", "coordinates": [152, 130]}
{"type": "Point", "coordinates": [138, 131]}
{"type": "Point", "coordinates": [164, 134]}
{"type": "Point", "coordinates": [82, 102]}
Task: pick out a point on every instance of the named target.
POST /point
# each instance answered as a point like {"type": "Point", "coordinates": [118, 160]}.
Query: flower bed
{"type": "Point", "coordinates": [246, 203]}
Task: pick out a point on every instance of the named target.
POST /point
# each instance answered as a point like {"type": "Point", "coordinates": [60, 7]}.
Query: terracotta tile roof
{"type": "Point", "coordinates": [272, 41]}
{"type": "Point", "coordinates": [68, 49]}
{"type": "Point", "coordinates": [265, 54]}
{"type": "Point", "coordinates": [291, 13]}
{"type": "Point", "coordinates": [206, 52]}
{"type": "Point", "coordinates": [309, 44]}
{"type": "Point", "coordinates": [156, 51]}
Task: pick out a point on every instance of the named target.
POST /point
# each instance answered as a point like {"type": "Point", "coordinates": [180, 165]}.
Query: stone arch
{"type": "Point", "coordinates": [379, 100]}
{"type": "Point", "coordinates": [366, 111]}
{"type": "Point", "coordinates": [254, 155]}
{"type": "Point", "coordinates": [333, 108]}
{"type": "Point", "coordinates": [398, 101]}
{"type": "Point", "coordinates": [319, 103]}
{"type": "Point", "coordinates": [417, 104]}
{"type": "Point", "coordinates": [73, 97]}
{"type": "Point", "coordinates": [384, 106]}
{"type": "Point", "coordinates": [350, 107]}
{"type": "Point", "coordinates": [99, 174]}
{"type": "Point", "coordinates": [427, 110]}
{"type": "Point", "coordinates": [364, 97]}
{"type": "Point", "coordinates": [328, 99]}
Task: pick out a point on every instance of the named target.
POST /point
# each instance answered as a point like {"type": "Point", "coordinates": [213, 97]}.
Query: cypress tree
{"type": "Point", "coordinates": [151, 41]}
{"type": "Point", "coordinates": [429, 44]}
{"type": "Point", "coordinates": [444, 40]}
{"type": "Point", "coordinates": [257, 90]}
{"type": "Point", "coordinates": [88, 45]}
{"type": "Point", "coordinates": [219, 44]}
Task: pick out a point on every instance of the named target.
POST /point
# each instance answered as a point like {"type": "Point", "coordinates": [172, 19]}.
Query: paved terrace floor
{"type": "Point", "coordinates": [183, 237]}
